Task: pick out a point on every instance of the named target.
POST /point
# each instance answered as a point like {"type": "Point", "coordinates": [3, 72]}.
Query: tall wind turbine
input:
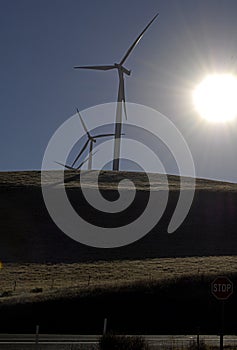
{"type": "Point", "coordinates": [121, 93]}
{"type": "Point", "coordinates": [90, 141]}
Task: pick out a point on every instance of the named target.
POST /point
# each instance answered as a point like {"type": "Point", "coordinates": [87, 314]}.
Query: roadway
{"type": "Point", "coordinates": [156, 341]}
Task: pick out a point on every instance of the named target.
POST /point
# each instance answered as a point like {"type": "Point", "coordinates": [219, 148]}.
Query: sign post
{"type": "Point", "coordinates": [37, 336]}
{"type": "Point", "coordinates": [222, 289]}
{"type": "Point", "coordinates": [105, 326]}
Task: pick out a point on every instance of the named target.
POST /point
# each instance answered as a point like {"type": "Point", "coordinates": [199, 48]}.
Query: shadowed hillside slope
{"type": "Point", "coordinates": [28, 234]}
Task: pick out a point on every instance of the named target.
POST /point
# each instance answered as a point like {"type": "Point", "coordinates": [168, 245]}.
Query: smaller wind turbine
{"type": "Point", "coordinates": [79, 166]}
{"type": "Point", "coordinates": [90, 141]}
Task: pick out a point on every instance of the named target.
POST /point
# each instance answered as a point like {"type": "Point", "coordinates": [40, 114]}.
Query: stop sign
{"type": "Point", "coordinates": [222, 288]}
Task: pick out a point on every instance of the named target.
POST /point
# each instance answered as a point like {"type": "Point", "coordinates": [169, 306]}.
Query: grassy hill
{"type": "Point", "coordinates": [29, 235]}
{"type": "Point", "coordinates": [159, 284]}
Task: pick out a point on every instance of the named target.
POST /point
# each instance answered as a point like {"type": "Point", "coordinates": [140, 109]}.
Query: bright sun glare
{"type": "Point", "coordinates": [215, 98]}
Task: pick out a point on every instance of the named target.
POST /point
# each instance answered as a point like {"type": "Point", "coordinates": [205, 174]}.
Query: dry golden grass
{"type": "Point", "coordinates": [109, 180]}
{"type": "Point", "coordinates": [60, 279]}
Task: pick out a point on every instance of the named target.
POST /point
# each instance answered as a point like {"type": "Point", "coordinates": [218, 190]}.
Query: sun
{"type": "Point", "coordinates": [215, 98]}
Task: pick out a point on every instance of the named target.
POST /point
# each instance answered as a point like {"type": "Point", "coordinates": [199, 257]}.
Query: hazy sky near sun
{"type": "Point", "coordinates": [42, 40]}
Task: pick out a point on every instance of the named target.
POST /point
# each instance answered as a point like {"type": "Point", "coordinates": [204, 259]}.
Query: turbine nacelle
{"type": "Point", "coordinates": [122, 69]}
{"type": "Point", "coordinates": [91, 138]}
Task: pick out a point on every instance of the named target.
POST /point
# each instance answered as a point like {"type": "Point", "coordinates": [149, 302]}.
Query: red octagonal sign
{"type": "Point", "coordinates": [222, 288]}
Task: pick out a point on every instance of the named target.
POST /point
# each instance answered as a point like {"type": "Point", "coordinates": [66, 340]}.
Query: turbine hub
{"type": "Point", "coordinates": [122, 68]}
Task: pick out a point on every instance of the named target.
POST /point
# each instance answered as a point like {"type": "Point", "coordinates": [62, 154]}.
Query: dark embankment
{"type": "Point", "coordinates": [28, 234]}
{"type": "Point", "coordinates": [183, 306]}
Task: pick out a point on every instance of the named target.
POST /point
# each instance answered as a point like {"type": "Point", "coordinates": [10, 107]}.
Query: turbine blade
{"type": "Point", "coordinates": [85, 160]}
{"type": "Point", "coordinates": [102, 135]}
{"type": "Point", "coordinates": [83, 149]}
{"type": "Point", "coordinates": [95, 67]}
{"type": "Point", "coordinates": [137, 40]}
{"type": "Point", "coordinates": [65, 166]}
{"type": "Point", "coordinates": [83, 124]}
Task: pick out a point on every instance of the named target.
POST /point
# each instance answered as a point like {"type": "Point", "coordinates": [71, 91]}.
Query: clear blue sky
{"type": "Point", "coordinates": [41, 41]}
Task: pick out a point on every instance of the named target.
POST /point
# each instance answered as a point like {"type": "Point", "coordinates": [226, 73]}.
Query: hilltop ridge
{"type": "Point", "coordinates": [110, 179]}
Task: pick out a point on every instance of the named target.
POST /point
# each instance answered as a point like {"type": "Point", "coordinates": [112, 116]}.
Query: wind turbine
{"type": "Point", "coordinates": [90, 140]}
{"type": "Point", "coordinates": [121, 92]}
{"type": "Point", "coordinates": [79, 166]}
